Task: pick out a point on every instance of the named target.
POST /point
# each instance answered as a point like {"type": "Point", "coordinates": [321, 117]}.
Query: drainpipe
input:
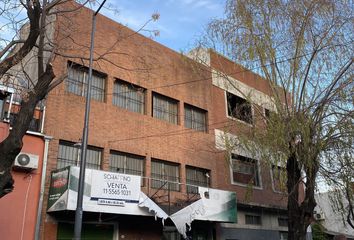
{"type": "Point", "coordinates": [42, 119]}
{"type": "Point", "coordinates": [40, 202]}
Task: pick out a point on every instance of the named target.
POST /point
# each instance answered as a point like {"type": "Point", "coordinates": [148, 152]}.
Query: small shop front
{"type": "Point", "coordinates": [116, 208]}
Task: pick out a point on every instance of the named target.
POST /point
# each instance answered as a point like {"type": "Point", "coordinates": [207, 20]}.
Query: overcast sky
{"type": "Point", "coordinates": [181, 21]}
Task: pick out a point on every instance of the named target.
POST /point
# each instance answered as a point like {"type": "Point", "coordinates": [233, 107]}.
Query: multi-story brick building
{"type": "Point", "coordinates": [158, 114]}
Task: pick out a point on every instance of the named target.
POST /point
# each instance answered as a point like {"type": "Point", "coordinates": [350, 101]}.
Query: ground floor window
{"type": "Point", "coordinates": [283, 235]}
{"type": "Point", "coordinates": [253, 219]}
{"type": "Point", "coordinates": [283, 221]}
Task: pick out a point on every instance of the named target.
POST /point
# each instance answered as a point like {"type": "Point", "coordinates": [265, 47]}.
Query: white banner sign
{"type": "Point", "coordinates": [115, 186]}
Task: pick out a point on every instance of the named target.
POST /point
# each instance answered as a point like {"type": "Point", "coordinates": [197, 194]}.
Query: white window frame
{"type": "Point", "coordinates": [233, 118]}
{"type": "Point", "coordinates": [260, 187]}
{"type": "Point", "coordinates": [272, 177]}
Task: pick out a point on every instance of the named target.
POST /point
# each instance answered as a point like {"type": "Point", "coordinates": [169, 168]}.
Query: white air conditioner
{"type": "Point", "coordinates": [26, 161]}
{"type": "Point", "coordinates": [319, 216]}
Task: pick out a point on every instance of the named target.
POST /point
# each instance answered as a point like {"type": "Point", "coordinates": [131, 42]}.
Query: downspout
{"type": "Point", "coordinates": [42, 119]}
{"type": "Point", "coordinates": [10, 105]}
{"type": "Point", "coordinates": [40, 202]}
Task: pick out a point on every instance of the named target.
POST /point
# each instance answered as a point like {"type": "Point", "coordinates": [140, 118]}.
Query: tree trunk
{"type": "Point", "coordinates": [300, 204]}
{"type": "Point", "coordinates": [12, 145]}
{"type": "Point", "coordinates": [296, 225]}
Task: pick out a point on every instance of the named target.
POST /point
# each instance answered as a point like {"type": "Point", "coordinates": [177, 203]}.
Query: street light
{"type": "Point", "coordinates": [80, 192]}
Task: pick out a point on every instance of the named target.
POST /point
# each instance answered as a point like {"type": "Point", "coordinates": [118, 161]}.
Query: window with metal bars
{"type": "Point", "coordinates": [253, 219]}
{"type": "Point", "coordinates": [77, 79]}
{"type": "Point", "coordinates": [165, 108]}
{"type": "Point", "coordinates": [195, 118]}
{"type": "Point", "coordinates": [164, 175]}
{"type": "Point", "coordinates": [126, 163]}
{"type": "Point", "coordinates": [129, 96]}
{"type": "Point", "coordinates": [196, 177]}
{"type": "Point", "coordinates": [245, 170]}
{"type": "Point", "coordinates": [69, 155]}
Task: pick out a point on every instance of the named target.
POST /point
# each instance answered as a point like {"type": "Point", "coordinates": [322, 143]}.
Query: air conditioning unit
{"type": "Point", "coordinates": [26, 161]}
{"type": "Point", "coordinates": [319, 216]}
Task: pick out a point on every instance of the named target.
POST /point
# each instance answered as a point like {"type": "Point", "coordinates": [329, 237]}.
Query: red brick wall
{"type": "Point", "coordinates": [141, 61]}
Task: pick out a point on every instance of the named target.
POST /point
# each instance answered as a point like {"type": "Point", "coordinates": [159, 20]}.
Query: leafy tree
{"type": "Point", "coordinates": [304, 49]}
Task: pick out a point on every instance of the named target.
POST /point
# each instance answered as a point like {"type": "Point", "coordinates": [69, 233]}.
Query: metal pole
{"type": "Point", "coordinates": [80, 192]}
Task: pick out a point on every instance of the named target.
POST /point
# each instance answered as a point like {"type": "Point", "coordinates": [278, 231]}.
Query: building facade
{"type": "Point", "coordinates": [21, 209]}
{"type": "Point", "coordinates": [159, 115]}
{"type": "Point", "coordinates": [330, 215]}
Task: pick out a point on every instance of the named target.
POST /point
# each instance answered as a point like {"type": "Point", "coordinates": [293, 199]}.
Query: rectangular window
{"type": "Point", "coordinates": [3, 96]}
{"type": "Point", "coordinates": [279, 178]}
{"type": "Point", "coordinates": [69, 155]}
{"type": "Point", "coordinates": [196, 177]}
{"type": "Point", "coordinates": [164, 175]}
{"type": "Point", "coordinates": [195, 118]}
{"type": "Point", "coordinates": [126, 163]}
{"type": "Point", "coordinates": [239, 108]}
{"type": "Point", "coordinates": [282, 221]}
{"type": "Point", "coordinates": [129, 96]}
{"type": "Point", "coordinates": [164, 108]}
{"type": "Point", "coordinates": [245, 170]}
{"type": "Point", "coordinates": [283, 235]}
{"type": "Point", "coordinates": [77, 80]}
{"type": "Point", "coordinates": [267, 113]}
{"type": "Point", "coordinates": [253, 219]}
{"type": "Point", "coordinates": [34, 124]}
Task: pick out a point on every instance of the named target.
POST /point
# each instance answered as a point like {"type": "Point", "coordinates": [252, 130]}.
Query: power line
{"type": "Point", "coordinates": [174, 133]}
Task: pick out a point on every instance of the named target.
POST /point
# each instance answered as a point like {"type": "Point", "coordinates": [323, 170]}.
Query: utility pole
{"type": "Point", "coordinates": [80, 192]}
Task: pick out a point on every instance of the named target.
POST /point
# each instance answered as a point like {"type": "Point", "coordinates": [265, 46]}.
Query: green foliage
{"type": "Point", "coordinates": [318, 232]}
{"type": "Point", "coordinates": [304, 50]}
